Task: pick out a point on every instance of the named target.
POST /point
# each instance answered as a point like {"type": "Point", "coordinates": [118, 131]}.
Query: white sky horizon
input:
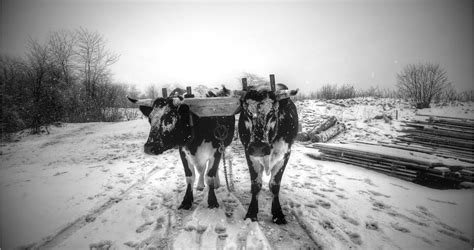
{"type": "Point", "coordinates": [306, 44]}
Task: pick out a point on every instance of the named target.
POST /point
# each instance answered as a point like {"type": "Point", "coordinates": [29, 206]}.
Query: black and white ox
{"type": "Point", "coordinates": [268, 125]}
{"type": "Point", "coordinates": [174, 125]}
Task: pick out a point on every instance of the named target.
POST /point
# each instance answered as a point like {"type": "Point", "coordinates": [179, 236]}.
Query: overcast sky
{"type": "Point", "coordinates": [304, 43]}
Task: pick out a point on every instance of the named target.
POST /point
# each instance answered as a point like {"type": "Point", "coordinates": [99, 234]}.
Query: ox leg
{"type": "Point", "coordinates": [274, 184]}
{"type": "Point", "coordinates": [211, 180]}
{"type": "Point", "coordinates": [217, 181]}
{"type": "Point", "coordinates": [256, 171]}
{"type": "Point", "coordinates": [200, 185]}
{"type": "Point", "coordinates": [190, 175]}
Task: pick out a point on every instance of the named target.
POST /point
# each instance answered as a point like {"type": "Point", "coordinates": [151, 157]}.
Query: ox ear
{"type": "Point", "coordinates": [183, 110]}
{"type": "Point", "coordinates": [145, 110]}
{"type": "Point", "coordinates": [146, 105]}
{"type": "Point", "coordinates": [183, 113]}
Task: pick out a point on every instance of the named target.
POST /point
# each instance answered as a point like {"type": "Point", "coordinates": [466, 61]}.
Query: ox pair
{"type": "Point", "coordinates": [268, 125]}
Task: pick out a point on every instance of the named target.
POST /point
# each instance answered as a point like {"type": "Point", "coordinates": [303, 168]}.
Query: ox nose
{"type": "Point", "coordinates": [259, 149]}
{"type": "Point", "coordinates": [150, 149]}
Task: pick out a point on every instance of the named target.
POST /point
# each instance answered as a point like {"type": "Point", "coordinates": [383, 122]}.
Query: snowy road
{"type": "Point", "coordinates": [92, 185]}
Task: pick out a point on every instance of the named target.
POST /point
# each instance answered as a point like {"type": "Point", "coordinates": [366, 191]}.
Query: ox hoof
{"type": "Point", "coordinates": [251, 217]}
{"type": "Point", "coordinates": [213, 204]}
{"type": "Point", "coordinates": [185, 206]}
{"type": "Point", "coordinates": [279, 220]}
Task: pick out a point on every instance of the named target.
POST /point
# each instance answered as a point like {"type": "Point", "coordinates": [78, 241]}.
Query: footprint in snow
{"type": "Point", "coordinates": [341, 196]}
{"type": "Point", "coordinates": [349, 219]}
{"type": "Point", "coordinates": [327, 190]}
{"type": "Point", "coordinates": [323, 204]}
{"type": "Point", "coordinates": [375, 193]}
{"type": "Point", "coordinates": [102, 245]}
{"type": "Point", "coordinates": [372, 225]}
{"type": "Point", "coordinates": [369, 181]}
{"type": "Point", "coordinates": [378, 205]}
{"type": "Point", "coordinates": [326, 225]}
{"type": "Point", "coordinates": [319, 194]}
{"type": "Point", "coordinates": [355, 238]}
{"type": "Point", "coordinates": [397, 227]}
{"type": "Point", "coordinates": [143, 227]}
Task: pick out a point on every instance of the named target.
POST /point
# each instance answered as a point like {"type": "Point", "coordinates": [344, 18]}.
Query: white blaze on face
{"type": "Point", "coordinates": [156, 114]}
{"type": "Point", "coordinates": [259, 112]}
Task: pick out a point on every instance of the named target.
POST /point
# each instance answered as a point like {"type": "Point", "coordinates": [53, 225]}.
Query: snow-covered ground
{"type": "Point", "coordinates": [91, 185]}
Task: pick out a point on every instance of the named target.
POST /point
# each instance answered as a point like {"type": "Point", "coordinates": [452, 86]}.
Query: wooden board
{"type": "Point", "coordinates": [213, 106]}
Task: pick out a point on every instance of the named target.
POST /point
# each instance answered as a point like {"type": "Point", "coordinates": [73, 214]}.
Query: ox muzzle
{"type": "Point", "coordinates": [259, 148]}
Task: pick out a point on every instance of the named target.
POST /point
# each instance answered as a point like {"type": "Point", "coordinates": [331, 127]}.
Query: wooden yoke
{"type": "Point", "coordinates": [212, 106]}
{"type": "Point", "coordinates": [224, 106]}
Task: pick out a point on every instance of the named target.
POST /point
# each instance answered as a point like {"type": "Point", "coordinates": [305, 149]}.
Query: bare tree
{"type": "Point", "coordinates": [151, 91]}
{"type": "Point", "coordinates": [421, 83]}
{"type": "Point", "coordinates": [38, 65]}
{"type": "Point", "coordinates": [62, 48]}
{"type": "Point", "coordinates": [12, 94]}
{"type": "Point", "coordinates": [94, 59]}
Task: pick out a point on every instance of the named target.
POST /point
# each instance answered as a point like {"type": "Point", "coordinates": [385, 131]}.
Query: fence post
{"type": "Point", "coordinates": [164, 91]}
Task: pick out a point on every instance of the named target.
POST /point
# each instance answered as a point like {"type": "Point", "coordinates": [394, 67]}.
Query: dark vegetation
{"type": "Point", "coordinates": [66, 78]}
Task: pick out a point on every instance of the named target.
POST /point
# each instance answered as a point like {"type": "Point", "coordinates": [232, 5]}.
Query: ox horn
{"type": "Point", "coordinates": [141, 102]}
{"type": "Point", "coordinates": [285, 93]}
{"type": "Point", "coordinates": [178, 100]}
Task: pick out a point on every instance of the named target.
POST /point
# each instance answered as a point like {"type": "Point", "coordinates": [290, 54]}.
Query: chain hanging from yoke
{"type": "Point", "coordinates": [220, 133]}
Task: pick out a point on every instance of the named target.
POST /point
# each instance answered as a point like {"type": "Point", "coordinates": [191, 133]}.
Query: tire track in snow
{"type": "Point", "coordinates": [70, 228]}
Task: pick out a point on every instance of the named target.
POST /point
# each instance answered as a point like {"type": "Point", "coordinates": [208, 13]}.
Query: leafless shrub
{"type": "Point", "coordinates": [346, 91]}
{"type": "Point", "coordinates": [420, 83]}
{"type": "Point", "coordinates": [328, 92]}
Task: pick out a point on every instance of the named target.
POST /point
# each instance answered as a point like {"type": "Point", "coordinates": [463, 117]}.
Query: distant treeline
{"type": "Point", "coordinates": [347, 91]}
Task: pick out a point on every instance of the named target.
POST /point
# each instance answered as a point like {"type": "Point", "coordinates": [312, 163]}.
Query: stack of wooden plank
{"type": "Point", "coordinates": [448, 136]}
{"type": "Point", "coordinates": [402, 163]}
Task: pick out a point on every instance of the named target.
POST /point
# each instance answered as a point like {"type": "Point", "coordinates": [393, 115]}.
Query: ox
{"type": "Point", "coordinates": [173, 125]}
{"type": "Point", "coordinates": [268, 125]}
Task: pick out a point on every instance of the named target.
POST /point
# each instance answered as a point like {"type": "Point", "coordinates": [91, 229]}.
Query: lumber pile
{"type": "Point", "coordinates": [401, 163]}
{"type": "Point", "coordinates": [444, 136]}
{"type": "Point", "coordinates": [323, 132]}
